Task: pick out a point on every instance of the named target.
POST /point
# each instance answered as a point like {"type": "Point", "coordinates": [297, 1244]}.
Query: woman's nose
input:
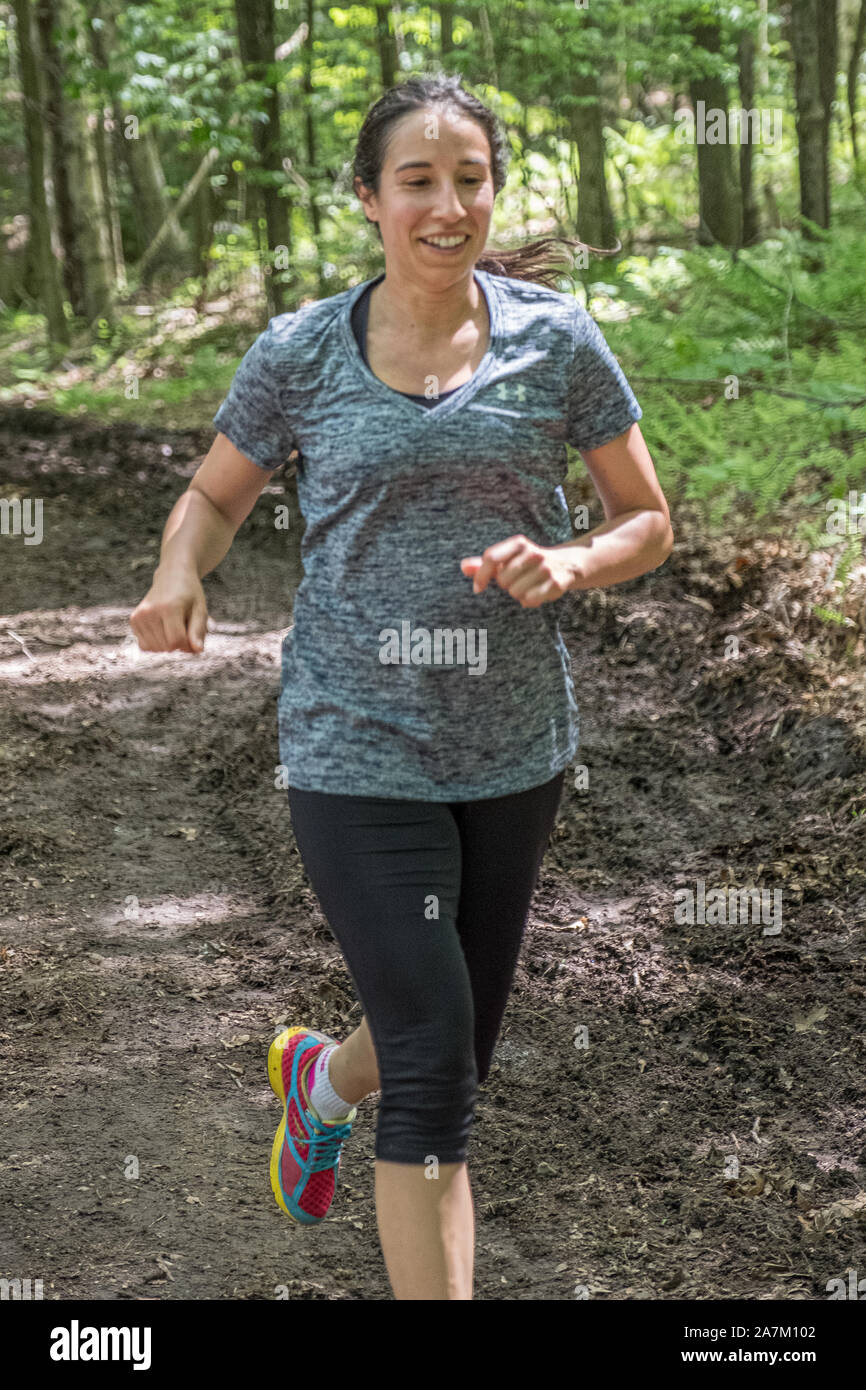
{"type": "Point", "coordinates": [447, 201]}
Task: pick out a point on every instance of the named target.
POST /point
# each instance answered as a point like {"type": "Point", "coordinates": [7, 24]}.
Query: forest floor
{"type": "Point", "coordinates": [156, 929]}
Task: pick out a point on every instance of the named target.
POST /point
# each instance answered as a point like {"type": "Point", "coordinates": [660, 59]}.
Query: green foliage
{"type": "Point", "coordinates": [750, 372]}
{"type": "Point", "coordinates": [709, 345]}
{"type": "Point", "coordinates": [165, 395]}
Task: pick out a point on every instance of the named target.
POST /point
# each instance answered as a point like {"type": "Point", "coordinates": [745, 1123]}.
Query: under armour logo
{"type": "Point", "coordinates": [506, 392]}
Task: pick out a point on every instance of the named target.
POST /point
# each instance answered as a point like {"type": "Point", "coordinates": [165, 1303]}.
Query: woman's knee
{"type": "Point", "coordinates": [434, 1053]}
{"type": "Point", "coordinates": [428, 1094]}
{"type": "Point", "coordinates": [427, 1123]}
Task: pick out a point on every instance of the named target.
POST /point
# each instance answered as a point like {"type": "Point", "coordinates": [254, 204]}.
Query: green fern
{"type": "Point", "coordinates": [698, 319]}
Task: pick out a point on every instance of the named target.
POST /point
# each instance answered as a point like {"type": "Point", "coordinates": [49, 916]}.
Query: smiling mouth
{"type": "Point", "coordinates": [455, 246]}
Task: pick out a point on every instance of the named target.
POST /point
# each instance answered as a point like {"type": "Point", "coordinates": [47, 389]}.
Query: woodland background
{"type": "Point", "coordinates": [174, 174]}
{"type": "Point", "coordinates": [171, 175]}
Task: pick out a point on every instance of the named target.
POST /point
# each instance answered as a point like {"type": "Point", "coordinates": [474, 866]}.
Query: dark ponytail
{"type": "Point", "coordinates": [543, 260]}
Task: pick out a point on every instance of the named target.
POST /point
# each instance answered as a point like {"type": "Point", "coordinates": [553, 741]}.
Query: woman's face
{"type": "Point", "coordinates": [436, 181]}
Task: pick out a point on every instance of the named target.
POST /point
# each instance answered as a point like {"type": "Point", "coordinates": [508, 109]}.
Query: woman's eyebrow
{"type": "Point", "coordinates": [426, 164]}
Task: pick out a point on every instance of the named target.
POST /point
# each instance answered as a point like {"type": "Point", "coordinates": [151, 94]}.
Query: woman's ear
{"type": "Point", "coordinates": [362, 193]}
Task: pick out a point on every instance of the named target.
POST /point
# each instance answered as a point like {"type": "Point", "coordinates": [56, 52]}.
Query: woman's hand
{"type": "Point", "coordinates": [532, 574]}
{"type": "Point", "coordinates": [172, 617]}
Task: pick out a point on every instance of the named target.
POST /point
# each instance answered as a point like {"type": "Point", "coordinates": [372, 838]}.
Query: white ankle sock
{"type": "Point", "coordinates": [324, 1099]}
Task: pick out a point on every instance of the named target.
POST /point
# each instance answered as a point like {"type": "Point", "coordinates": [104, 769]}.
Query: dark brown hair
{"type": "Point", "coordinates": [542, 260]}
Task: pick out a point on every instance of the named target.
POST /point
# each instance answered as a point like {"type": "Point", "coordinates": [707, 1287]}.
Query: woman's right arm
{"type": "Point", "coordinates": [197, 537]}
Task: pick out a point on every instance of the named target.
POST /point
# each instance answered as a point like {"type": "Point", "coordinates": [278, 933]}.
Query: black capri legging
{"type": "Point", "coordinates": [428, 901]}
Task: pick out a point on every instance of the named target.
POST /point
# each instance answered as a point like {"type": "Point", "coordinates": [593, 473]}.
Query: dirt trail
{"type": "Point", "coordinates": [156, 927]}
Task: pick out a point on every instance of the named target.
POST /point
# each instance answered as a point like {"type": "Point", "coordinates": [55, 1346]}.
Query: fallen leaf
{"type": "Point", "coordinates": [847, 1209]}
{"type": "Point", "coordinates": [804, 1023]}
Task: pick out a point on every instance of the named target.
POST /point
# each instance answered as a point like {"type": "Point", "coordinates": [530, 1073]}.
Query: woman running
{"type": "Point", "coordinates": [427, 710]}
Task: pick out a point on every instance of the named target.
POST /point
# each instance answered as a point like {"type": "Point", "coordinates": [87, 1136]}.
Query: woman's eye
{"type": "Point", "coordinates": [419, 183]}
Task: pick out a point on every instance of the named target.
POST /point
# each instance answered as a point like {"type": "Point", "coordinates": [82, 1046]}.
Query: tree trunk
{"type": "Point", "coordinates": [256, 43]}
{"type": "Point", "coordinates": [45, 14]}
{"type": "Point", "coordinates": [91, 217]}
{"type": "Point", "coordinates": [853, 69]}
{"type": "Point", "coordinates": [386, 46]}
{"type": "Point", "coordinates": [105, 149]}
{"type": "Point", "coordinates": [170, 243]}
{"type": "Point", "coordinates": [487, 46]}
{"type": "Point", "coordinates": [746, 54]}
{"type": "Point", "coordinates": [152, 252]}
{"type": "Point", "coordinates": [854, 64]}
{"type": "Point", "coordinates": [763, 54]}
{"type": "Point", "coordinates": [203, 218]}
{"type": "Point", "coordinates": [446, 27]}
{"type": "Point", "coordinates": [399, 41]}
{"type": "Point", "coordinates": [595, 222]}
{"type": "Point", "coordinates": [718, 190]}
{"type": "Point", "coordinates": [828, 58]}
{"type": "Point", "coordinates": [812, 124]}
{"type": "Point", "coordinates": [42, 261]}
{"type": "Point", "coordinates": [109, 196]}
{"type": "Point", "coordinates": [92, 231]}
{"type": "Point", "coordinates": [312, 153]}
{"type": "Point", "coordinates": [135, 149]}
{"type": "Point", "coordinates": [113, 186]}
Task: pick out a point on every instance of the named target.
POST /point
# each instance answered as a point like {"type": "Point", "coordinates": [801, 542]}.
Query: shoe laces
{"type": "Point", "coordinates": [323, 1143]}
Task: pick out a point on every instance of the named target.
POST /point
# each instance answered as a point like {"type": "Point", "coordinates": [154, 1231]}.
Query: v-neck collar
{"type": "Point", "coordinates": [456, 398]}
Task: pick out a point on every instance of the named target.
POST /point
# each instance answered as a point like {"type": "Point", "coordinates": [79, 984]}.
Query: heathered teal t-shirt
{"type": "Point", "coordinates": [397, 680]}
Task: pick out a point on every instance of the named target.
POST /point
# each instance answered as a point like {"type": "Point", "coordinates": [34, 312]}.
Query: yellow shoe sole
{"type": "Point", "coordinates": [275, 1077]}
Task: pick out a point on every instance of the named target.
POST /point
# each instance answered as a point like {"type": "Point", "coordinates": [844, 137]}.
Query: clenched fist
{"type": "Point", "coordinates": [172, 617]}
{"type": "Point", "coordinates": [532, 574]}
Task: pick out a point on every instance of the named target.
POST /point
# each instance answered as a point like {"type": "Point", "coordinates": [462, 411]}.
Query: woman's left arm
{"type": "Point", "coordinates": [635, 537]}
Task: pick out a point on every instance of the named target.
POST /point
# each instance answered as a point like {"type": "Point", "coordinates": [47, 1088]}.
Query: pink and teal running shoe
{"type": "Point", "coordinates": [305, 1159]}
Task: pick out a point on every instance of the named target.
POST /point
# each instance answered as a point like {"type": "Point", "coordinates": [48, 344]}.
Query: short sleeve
{"type": "Point", "coordinates": [601, 404]}
{"type": "Point", "coordinates": [252, 414]}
